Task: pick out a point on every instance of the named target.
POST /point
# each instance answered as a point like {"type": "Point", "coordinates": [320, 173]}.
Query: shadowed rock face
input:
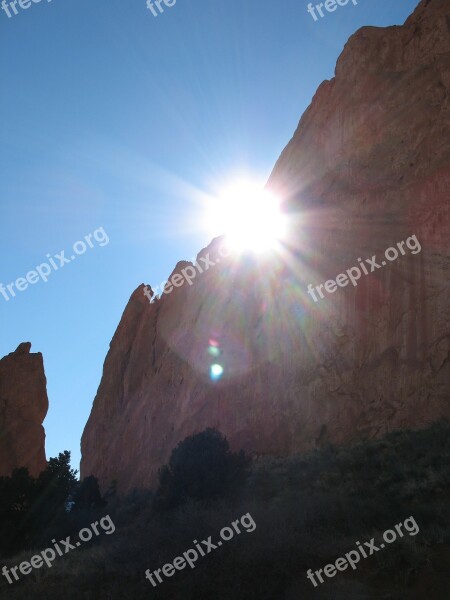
{"type": "Point", "coordinates": [23, 406]}
{"type": "Point", "coordinates": [368, 166]}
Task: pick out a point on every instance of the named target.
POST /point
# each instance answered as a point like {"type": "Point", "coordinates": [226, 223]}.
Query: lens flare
{"type": "Point", "coordinates": [216, 372]}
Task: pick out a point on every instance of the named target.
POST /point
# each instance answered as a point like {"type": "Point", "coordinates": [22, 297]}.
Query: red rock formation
{"type": "Point", "coordinates": [368, 166]}
{"type": "Point", "coordinates": [23, 406]}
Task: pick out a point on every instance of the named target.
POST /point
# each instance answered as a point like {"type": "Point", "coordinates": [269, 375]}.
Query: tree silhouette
{"type": "Point", "coordinates": [30, 509]}
{"type": "Point", "coordinates": [16, 500]}
{"type": "Point", "coordinates": [201, 467]}
{"type": "Point", "coordinates": [88, 496]}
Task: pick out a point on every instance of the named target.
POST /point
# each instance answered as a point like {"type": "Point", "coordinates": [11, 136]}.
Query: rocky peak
{"type": "Point", "coordinates": [23, 407]}
{"type": "Point", "coordinates": [368, 167]}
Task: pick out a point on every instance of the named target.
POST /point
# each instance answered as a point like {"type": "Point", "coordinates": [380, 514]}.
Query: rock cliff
{"type": "Point", "coordinates": [368, 167]}
{"type": "Point", "coordinates": [23, 406]}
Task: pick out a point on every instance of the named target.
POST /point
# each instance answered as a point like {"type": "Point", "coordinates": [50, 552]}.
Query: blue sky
{"type": "Point", "coordinates": [113, 118]}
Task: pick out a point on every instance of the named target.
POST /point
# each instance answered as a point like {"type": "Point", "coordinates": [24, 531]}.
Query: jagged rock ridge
{"type": "Point", "coordinates": [368, 166]}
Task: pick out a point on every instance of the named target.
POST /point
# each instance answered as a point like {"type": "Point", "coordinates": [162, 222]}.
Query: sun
{"type": "Point", "coordinates": [249, 216]}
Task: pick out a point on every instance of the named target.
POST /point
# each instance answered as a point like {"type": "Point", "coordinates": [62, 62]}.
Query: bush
{"type": "Point", "coordinates": [202, 468]}
{"type": "Point", "coordinates": [87, 495]}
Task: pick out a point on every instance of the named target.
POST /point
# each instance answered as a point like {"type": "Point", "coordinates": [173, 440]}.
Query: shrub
{"type": "Point", "coordinates": [202, 468]}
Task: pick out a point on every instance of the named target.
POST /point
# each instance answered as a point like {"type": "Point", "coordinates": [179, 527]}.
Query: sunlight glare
{"type": "Point", "coordinates": [249, 216]}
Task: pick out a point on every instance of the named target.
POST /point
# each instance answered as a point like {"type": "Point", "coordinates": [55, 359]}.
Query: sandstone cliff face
{"type": "Point", "coordinates": [368, 166]}
{"type": "Point", "coordinates": [23, 406]}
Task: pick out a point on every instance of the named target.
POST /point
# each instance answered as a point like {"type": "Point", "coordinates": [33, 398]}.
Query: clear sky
{"type": "Point", "coordinates": [113, 118]}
